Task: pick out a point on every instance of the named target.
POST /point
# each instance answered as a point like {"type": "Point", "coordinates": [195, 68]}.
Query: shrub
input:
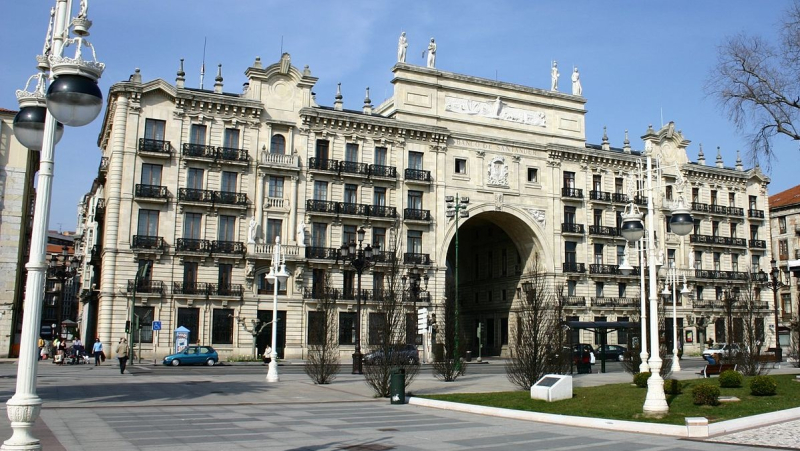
{"type": "Point", "coordinates": [640, 379]}
{"type": "Point", "coordinates": [705, 395]}
{"type": "Point", "coordinates": [730, 379]}
{"type": "Point", "coordinates": [763, 386]}
{"type": "Point", "coordinates": [672, 387]}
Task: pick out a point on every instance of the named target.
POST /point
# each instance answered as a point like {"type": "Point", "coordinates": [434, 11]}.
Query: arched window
{"type": "Point", "coordinates": [278, 144]}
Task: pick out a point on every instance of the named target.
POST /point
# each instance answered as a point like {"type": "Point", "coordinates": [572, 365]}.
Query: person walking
{"type": "Point", "coordinates": [122, 354]}
{"type": "Point", "coordinates": [97, 350]}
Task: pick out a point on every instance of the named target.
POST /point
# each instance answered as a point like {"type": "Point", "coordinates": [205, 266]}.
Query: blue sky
{"type": "Point", "coordinates": [637, 59]}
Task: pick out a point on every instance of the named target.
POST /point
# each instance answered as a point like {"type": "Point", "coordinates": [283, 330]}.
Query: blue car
{"type": "Point", "coordinates": [193, 355]}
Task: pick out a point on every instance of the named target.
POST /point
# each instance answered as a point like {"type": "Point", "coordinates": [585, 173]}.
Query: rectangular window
{"type": "Point", "coordinates": [350, 193]}
{"type": "Point", "coordinates": [377, 326]}
{"type": "Point", "coordinates": [569, 179]}
{"type": "Point", "coordinates": [533, 175]}
{"type": "Point", "coordinates": [154, 129]}
{"type": "Point", "coordinates": [197, 135]}
{"type": "Point", "coordinates": [377, 284]}
{"type": "Point", "coordinates": [316, 328]}
{"type": "Point", "coordinates": [698, 225]}
{"type": "Point", "coordinates": [351, 152]}
{"type": "Point", "coordinates": [717, 261]}
{"type": "Point", "coordinates": [783, 249]}
{"type": "Point", "coordinates": [713, 197]}
{"type": "Point", "coordinates": [732, 199]}
{"type": "Point", "coordinates": [698, 260]}
{"type": "Point", "coordinates": [189, 317]}
{"type": "Point", "coordinates": [349, 284]}
{"type": "Point", "coordinates": [598, 217]}
{"type": "Point", "coordinates": [733, 229]}
{"type": "Point", "coordinates": [228, 183]}
{"type": "Point", "coordinates": [621, 289]}
{"type": "Point", "coordinates": [189, 275]}
{"type": "Point", "coordinates": [782, 224]}
{"type": "Point", "coordinates": [224, 276]}
{"type": "Point", "coordinates": [668, 193]}
{"type": "Point", "coordinates": [415, 200]}
{"type": "Point", "coordinates": [461, 166]}
{"type": "Point", "coordinates": [618, 185]}
{"type": "Point", "coordinates": [348, 234]}
{"type": "Point", "coordinates": [714, 228]}
{"type": "Point", "coordinates": [148, 272]}
{"type": "Point", "coordinates": [191, 226]}
{"type": "Point", "coordinates": [266, 287]}
{"type": "Point", "coordinates": [695, 194]}
{"type": "Point", "coordinates": [786, 305]}
{"type": "Point", "coordinates": [143, 324]}
{"type": "Point", "coordinates": [379, 238]}
{"type": "Point", "coordinates": [753, 232]}
{"type": "Point", "coordinates": [734, 262]}
{"type": "Point", "coordinates": [598, 254]}
{"type": "Point", "coordinates": [151, 174]}
{"type": "Point", "coordinates": [569, 215]}
{"type": "Point", "coordinates": [490, 264]}
{"type": "Point", "coordinates": [320, 190]}
{"type": "Point", "coordinates": [227, 228]}
{"type": "Point", "coordinates": [274, 228]}
{"type": "Point", "coordinates": [380, 156]}
{"type": "Point", "coordinates": [670, 258]}
{"type": "Point", "coordinates": [599, 289]}
{"type": "Point", "coordinates": [321, 151]}
{"type": "Point", "coordinates": [318, 277]}
{"type": "Point", "coordinates": [620, 253]}
{"type": "Point", "coordinates": [347, 328]}
{"type": "Point", "coordinates": [148, 223]}
{"type": "Point", "coordinates": [755, 263]}
{"type": "Point", "coordinates": [231, 138]}
{"type": "Point", "coordinates": [570, 251]}
{"type": "Point", "coordinates": [319, 234]}
{"type": "Point", "coordinates": [572, 287]}
{"type": "Point", "coordinates": [415, 160]}
{"type": "Point", "coordinates": [194, 178]}
{"type": "Point", "coordinates": [622, 334]}
{"type": "Point", "coordinates": [379, 197]}
{"type": "Point", "coordinates": [752, 202]}
{"type": "Point", "coordinates": [597, 183]}
{"type": "Point", "coordinates": [222, 326]}
{"type": "Point", "coordinates": [275, 187]}
{"type": "Point", "coordinates": [414, 241]}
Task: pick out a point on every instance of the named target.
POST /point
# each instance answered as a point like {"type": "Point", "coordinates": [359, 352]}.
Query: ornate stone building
{"type": "Point", "coordinates": [784, 208]}
{"type": "Point", "coordinates": [194, 186]}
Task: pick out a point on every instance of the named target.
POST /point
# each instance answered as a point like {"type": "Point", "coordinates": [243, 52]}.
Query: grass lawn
{"type": "Point", "coordinates": [625, 401]}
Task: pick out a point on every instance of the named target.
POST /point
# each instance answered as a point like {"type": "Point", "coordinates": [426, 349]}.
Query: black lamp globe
{"type": "Point", "coordinates": [74, 100]}
{"type": "Point", "coordinates": [29, 127]}
{"type": "Point", "coordinates": [632, 229]}
{"type": "Point", "coordinates": [681, 223]}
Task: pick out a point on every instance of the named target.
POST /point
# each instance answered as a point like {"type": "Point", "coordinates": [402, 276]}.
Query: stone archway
{"type": "Point", "coordinates": [496, 248]}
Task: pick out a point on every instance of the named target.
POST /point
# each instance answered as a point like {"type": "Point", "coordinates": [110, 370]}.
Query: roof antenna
{"type": "Point", "coordinates": [203, 66]}
{"type": "Point", "coordinates": [662, 116]}
{"type": "Point", "coordinates": [281, 46]}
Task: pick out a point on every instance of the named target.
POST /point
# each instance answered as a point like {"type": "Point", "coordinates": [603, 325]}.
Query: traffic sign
{"type": "Point", "coordinates": [156, 325]}
{"type": "Point", "coordinates": [422, 320]}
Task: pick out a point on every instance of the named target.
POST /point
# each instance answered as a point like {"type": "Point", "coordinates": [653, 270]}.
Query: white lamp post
{"type": "Point", "coordinates": [633, 231]}
{"type": "Point", "coordinates": [74, 99]}
{"type": "Point", "coordinates": [672, 279]}
{"type": "Point", "coordinates": [278, 275]}
{"type": "Point", "coordinates": [681, 224]}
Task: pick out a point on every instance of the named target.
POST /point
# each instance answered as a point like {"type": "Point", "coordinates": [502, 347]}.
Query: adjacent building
{"type": "Point", "coordinates": [195, 185]}
{"type": "Point", "coordinates": [784, 208]}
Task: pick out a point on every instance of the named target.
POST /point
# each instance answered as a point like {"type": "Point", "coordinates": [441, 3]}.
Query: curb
{"type": "Point", "coordinates": [692, 429]}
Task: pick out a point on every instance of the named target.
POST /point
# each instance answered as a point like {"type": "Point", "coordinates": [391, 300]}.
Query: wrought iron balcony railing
{"type": "Point", "coordinates": [195, 195]}
{"type": "Point", "coordinates": [377, 170]}
{"type": "Point", "coordinates": [601, 269]}
{"type": "Point", "coordinates": [575, 193]}
{"type": "Point", "coordinates": [575, 301]}
{"type": "Point", "coordinates": [757, 214]}
{"type": "Point", "coordinates": [419, 175]}
{"type": "Point", "coordinates": [381, 211]}
{"type": "Point", "coordinates": [718, 209]}
{"type": "Point", "coordinates": [573, 267]}
{"type": "Point", "coordinates": [232, 154]}
{"type": "Point", "coordinates": [758, 244]}
{"type": "Point", "coordinates": [228, 247]}
{"type": "Point", "coordinates": [615, 302]}
{"type": "Point", "coordinates": [735, 211]}
{"type": "Point", "coordinates": [151, 191]}
{"type": "Point", "coordinates": [146, 286]}
{"type": "Point", "coordinates": [321, 206]}
{"type": "Point", "coordinates": [413, 258]}
{"type": "Point", "coordinates": [323, 253]}
{"type": "Point", "coordinates": [192, 245]}
{"type": "Point", "coordinates": [230, 198]}
{"type": "Point", "coordinates": [348, 208]}
{"type": "Point", "coordinates": [571, 227]}
{"type": "Point", "coordinates": [148, 242]}
{"type": "Point", "coordinates": [230, 289]}
{"type": "Point", "coordinates": [699, 206]}
{"type": "Point", "coordinates": [620, 197]}
{"type": "Point", "coordinates": [353, 167]}
{"type": "Point", "coordinates": [323, 164]}
{"type": "Point", "coordinates": [199, 150]}
{"type": "Point", "coordinates": [603, 230]}
{"type": "Point", "coordinates": [416, 214]}
{"type": "Point", "coordinates": [190, 288]}
{"type": "Point", "coordinates": [603, 196]}
{"type": "Point", "coordinates": [155, 146]}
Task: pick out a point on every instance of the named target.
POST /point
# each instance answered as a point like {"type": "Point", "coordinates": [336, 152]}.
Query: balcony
{"type": "Point", "coordinates": [276, 202]}
{"type": "Point", "coordinates": [146, 286]}
{"type": "Point", "coordinates": [603, 231]}
{"type": "Point", "coordinates": [572, 193]}
{"type": "Point", "coordinates": [414, 214]}
{"type": "Point", "coordinates": [191, 245]}
{"type": "Point", "coordinates": [418, 175]}
{"type": "Point", "coordinates": [190, 288]}
{"type": "Point", "coordinates": [615, 302]}
{"type": "Point", "coordinates": [573, 267]}
{"type": "Point", "coordinates": [640, 200]}
{"type": "Point", "coordinates": [228, 247]}
{"type": "Point", "coordinates": [323, 164]}
{"type": "Point", "coordinates": [232, 155]}
{"type": "Point", "coordinates": [155, 147]}
{"type": "Point", "coordinates": [735, 211]}
{"type": "Point", "coordinates": [413, 258]}
{"type": "Point", "coordinates": [354, 168]}
{"type": "Point", "coordinates": [721, 275]}
{"type": "Point", "coordinates": [103, 168]}
{"type": "Point", "coordinates": [718, 209]}
{"type": "Point", "coordinates": [265, 251]}
{"type": "Point", "coordinates": [708, 304]}
{"type": "Point", "coordinates": [602, 196]}
{"type": "Point", "coordinates": [376, 170]}
{"type": "Point", "coordinates": [322, 253]}
{"type": "Point", "coordinates": [229, 289]}
{"type": "Point", "coordinates": [100, 210]}
{"type": "Point", "coordinates": [717, 240]}
{"type": "Point", "coordinates": [699, 206]}
{"type": "Point", "coordinates": [230, 198]}
{"type": "Point", "coordinates": [755, 214]}
{"type": "Point", "coordinates": [350, 208]}
{"type": "Point", "coordinates": [571, 227]}
{"type": "Point", "coordinates": [279, 160]}
{"type": "Point", "coordinates": [620, 198]}
{"type": "Point", "coordinates": [575, 301]}
{"type": "Point", "coordinates": [199, 151]}
{"type": "Point", "coordinates": [321, 206]}
{"type": "Point", "coordinates": [144, 242]}
{"type": "Point", "coordinates": [605, 270]}
{"type": "Point", "coordinates": [758, 244]}
{"type": "Point", "coordinates": [382, 211]}
{"type": "Point", "coordinates": [154, 192]}
{"type": "Point", "coordinates": [203, 196]}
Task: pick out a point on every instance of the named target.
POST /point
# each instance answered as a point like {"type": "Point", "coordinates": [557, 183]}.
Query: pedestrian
{"type": "Point", "coordinates": [40, 344]}
{"type": "Point", "coordinates": [97, 350]}
{"type": "Point", "coordinates": [122, 354]}
{"type": "Point", "coordinates": [61, 351]}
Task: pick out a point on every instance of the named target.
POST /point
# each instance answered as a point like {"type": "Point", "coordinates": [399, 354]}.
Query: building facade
{"type": "Point", "coordinates": [195, 185]}
{"type": "Point", "coordinates": [784, 210]}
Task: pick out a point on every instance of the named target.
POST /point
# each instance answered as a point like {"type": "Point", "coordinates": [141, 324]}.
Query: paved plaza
{"type": "Point", "coordinates": [232, 408]}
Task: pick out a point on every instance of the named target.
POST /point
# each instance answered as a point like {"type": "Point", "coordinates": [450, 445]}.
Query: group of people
{"type": "Point", "coordinates": [59, 351]}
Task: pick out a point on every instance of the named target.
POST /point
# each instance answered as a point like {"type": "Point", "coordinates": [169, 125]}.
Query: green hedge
{"type": "Point", "coordinates": [705, 395]}
{"type": "Point", "coordinates": [730, 379]}
{"type": "Point", "coordinates": [763, 386]}
{"type": "Point", "coordinates": [640, 379]}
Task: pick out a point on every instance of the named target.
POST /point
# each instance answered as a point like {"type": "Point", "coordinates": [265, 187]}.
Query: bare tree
{"type": "Point", "coordinates": [746, 302]}
{"type": "Point", "coordinates": [389, 326]}
{"type": "Point", "coordinates": [538, 346]}
{"type": "Point", "coordinates": [448, 367]}
{"type": "Point", "coordinates": [756, 83]}
{"type": "Point", "coordinates": [322, 363]}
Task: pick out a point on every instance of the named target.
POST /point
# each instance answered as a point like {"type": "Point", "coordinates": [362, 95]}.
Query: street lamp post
{"type": "Point", "coordinates": [360, 258]}
{"type": "Point", "coordinates": [625, 268]}
{"type": "Point", "coordinates": [673, 278]}
{"type": "Point", "coordinates": [278, 275]}
{"type": "Point", "coordinates": [62, 268]}
{"type": "Point", "coordinates": [775, 284]}
{"type": "Point", "coordinates": [73, 98]}
{"type": "Point", "coordinates": [415, 288]}
{"type": "Point", "coordinates": [633, 229]}
{"type": "Point", "coordinates": [457, 208]}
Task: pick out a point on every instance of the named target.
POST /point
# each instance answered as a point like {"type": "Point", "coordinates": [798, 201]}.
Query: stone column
{"type": "Point", "coordinates": [258, 214]}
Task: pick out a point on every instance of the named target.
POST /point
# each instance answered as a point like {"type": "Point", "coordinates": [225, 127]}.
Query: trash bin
{"type": "Point", "coordinates": [468, 358]}
{"type": "Point", "coordinates": [397, 386]}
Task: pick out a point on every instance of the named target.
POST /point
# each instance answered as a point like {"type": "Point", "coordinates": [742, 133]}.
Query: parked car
{"type": "Point", "coordinates": [193, 355]}
{"type": "Point", "coordinates": [402, 353]}
{"type": "Point", "coordinates": [612, 352]}
{"type": "Point", "coordinates": [722, 349]}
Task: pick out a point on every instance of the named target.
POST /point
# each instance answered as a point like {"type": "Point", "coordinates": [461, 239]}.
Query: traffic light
{"type": "Point", "coordinates": [127, 327]}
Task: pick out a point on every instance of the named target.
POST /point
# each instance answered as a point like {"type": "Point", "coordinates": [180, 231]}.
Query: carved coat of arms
{"type": "Point", "coordinates": [498, 172]}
